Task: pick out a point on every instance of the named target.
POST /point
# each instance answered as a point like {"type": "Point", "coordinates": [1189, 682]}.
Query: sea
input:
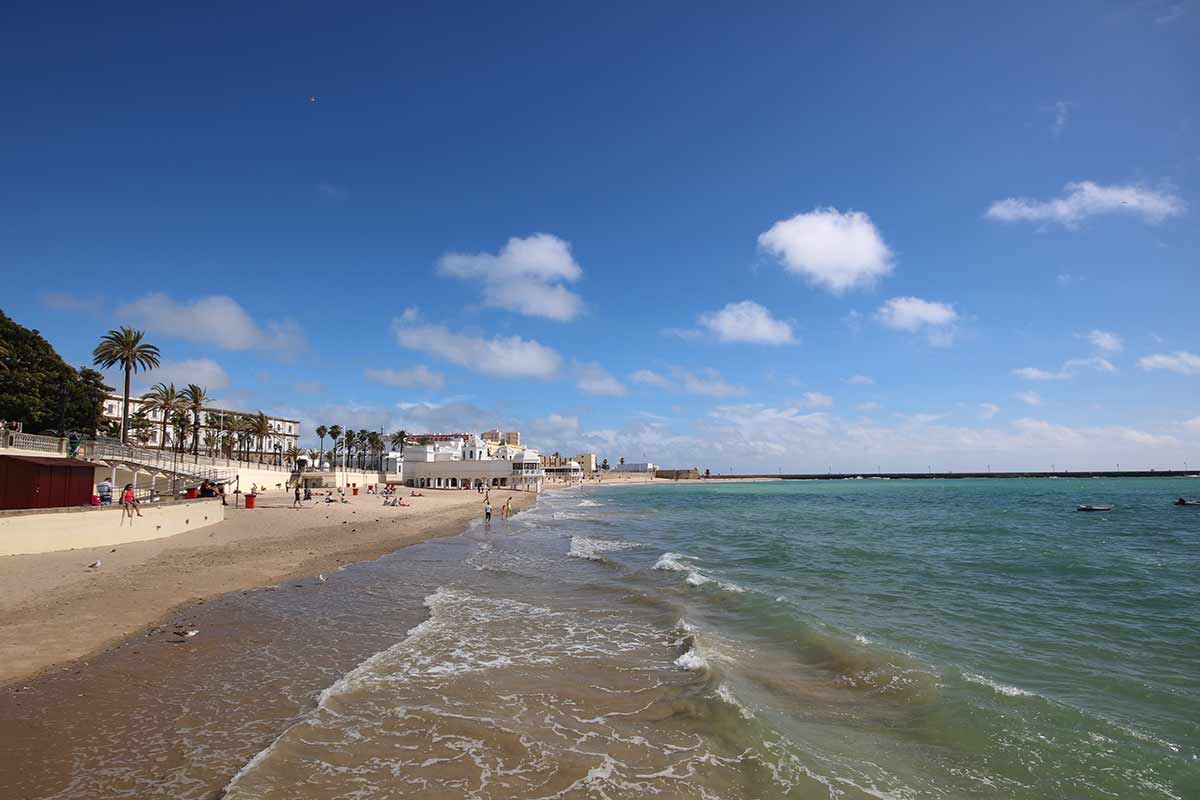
{"type": "Point", "coordinates": [974, 638]}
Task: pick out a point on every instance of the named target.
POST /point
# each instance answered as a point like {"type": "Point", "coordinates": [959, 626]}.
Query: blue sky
{"type": "Point", "coordinates": [753, 236]}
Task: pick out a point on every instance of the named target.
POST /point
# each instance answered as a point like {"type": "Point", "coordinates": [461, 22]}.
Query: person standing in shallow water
{"type": "Point", "coordinates": [487, 511]}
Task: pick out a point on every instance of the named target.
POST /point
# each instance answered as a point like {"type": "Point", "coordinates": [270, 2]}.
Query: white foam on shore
{"type": "Point", "coordinates": [674, 562]}
{"type": "Point", "coordinates": [726, 694]}
{"type": "Point", "coordinates": [591, 549]}
{"type": "Point", "coordinates": [858, 637]}
{"type": "Point", "coordinates": [997, 687]}
{"type": "Point", "coordinates": [692, 661]}
{"type": "Point", "coordinates": [589, 504]}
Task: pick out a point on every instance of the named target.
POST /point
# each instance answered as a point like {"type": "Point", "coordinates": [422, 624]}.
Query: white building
{"type": "Point", "coordinates": [629, 467]}
{"type": "Point", "coordinates": [468, 463]}
{"type": "Point", "coordinates": [284, 433]}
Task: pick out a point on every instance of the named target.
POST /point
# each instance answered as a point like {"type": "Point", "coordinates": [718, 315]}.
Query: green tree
{"type": "Point", "coordinates": [322, 432]}
{"type": "Point", "coordinates": [398, 440]}
{"type": "Point", "coordinates": [260, 427]}
{"type": "Point", "coordinates": [604, 465]}
{"type": "Point", "coordinates": [335, 433]}
{"type": "Point", "coordinates": [124, 348]}
{"type": "Point", "coordinates": [164, 399]}
{"type": "Point", "coordinates": [195, 399]}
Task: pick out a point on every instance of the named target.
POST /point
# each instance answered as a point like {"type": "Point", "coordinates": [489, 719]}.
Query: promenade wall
{"type": "Point", "coordinates": [52, 529]}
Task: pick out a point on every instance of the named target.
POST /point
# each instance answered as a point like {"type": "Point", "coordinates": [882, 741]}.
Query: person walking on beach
{"type": "Point", "coordinates": [129, 502]}
{"type": "Point", "coordinates": [296, 503]}
{"type": "Point", "coordinates": [487, 511]}
{"type": "Point", "coordinates": [508, 508]}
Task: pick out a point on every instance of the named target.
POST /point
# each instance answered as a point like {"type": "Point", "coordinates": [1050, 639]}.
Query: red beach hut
{"type": "Point", "coordinates": [39, 482]}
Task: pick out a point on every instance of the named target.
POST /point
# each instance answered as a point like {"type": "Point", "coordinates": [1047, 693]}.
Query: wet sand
{"type": "Point", "coordinates": [55, 610]}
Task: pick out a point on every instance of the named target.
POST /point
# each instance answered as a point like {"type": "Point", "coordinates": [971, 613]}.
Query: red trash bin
{"type": "Point", "coordinates": [250, 500]}
{"type": "Point", "coordinates": [192, 493]}
{"type": "Point", "coordinates": [356, 491]}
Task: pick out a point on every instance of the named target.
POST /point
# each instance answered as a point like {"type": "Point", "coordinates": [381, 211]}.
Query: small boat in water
{"type": "Point", "coordinates": [1183, 502]}
{"type": "Point", "coordinates": [1094, 507]}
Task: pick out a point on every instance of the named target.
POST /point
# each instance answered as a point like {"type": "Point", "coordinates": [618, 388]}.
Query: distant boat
{"type": "Point", "coordinates": [1094, 507]}
{"type": "Point", "coordinates": [1182, 502]}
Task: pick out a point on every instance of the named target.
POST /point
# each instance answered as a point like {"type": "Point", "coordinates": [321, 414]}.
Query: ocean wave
{"type": "Point", "coordinates": [692, 661]}
{"type": "Point", "coordinates": [997, 687]}
{"type": "Point", "coordinates": [589, 504]}
{"type": "Point", "coordinates": [674, 562]}
{"type": "Point", "coordinates": [726, 694]}
{"type": "Point", "coordinates": [590, 549]}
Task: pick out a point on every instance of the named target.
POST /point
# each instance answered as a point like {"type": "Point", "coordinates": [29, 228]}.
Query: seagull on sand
{"type": "Point", "coordinates": [94, 565]}
{"type": "Point", "coordinates": [186, 634]}
{"type": "Point", "coordinates": [321, 577]}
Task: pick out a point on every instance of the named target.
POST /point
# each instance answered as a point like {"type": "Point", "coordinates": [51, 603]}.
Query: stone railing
{"type": "Point", "coordinates": [11, 440]}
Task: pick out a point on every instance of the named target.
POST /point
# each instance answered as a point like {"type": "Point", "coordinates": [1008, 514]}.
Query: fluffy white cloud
{"type": "Point", "coordinates": [1068, 369]}
{"type": "Point", "coordinates": [746, 321]}
{"type": "Point", "coordinates": [1085, 199]}
{"type": "Point", "coordinates": [988, 410]}
{"type": "Point", "coordinates": [1106, 341]}
{"type": "Point", "coordinates": [913, 314]}
{"type": "Point", "coordinates": [502, 356]}
{"type": "Point", "coordinates": [215, 320]}
{"type": "Point", "coordinates": [1182, 362]}
{"type": "Point", "coordinates": [203, 372]}
{"type": "Point", "coordinates": [527, 276]}
{"type": "Point", "coordinates": [862, 380]}
{"type": "Point", "coordinates": [1030, 398]}
{"type": "Point", "coordinates": [707, 382]}
{"type": "Point", "coordinates": [410, 377]}
{"type": "Point", "coordinates": [832, 250]}
{"type": "Point", "coordinates": [817, 400]}
{"type": "Point", "coordinates": [592, 378]}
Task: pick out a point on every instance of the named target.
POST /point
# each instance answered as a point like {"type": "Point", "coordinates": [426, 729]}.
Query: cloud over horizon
{"type": "Point", "coordinates": [1083, 199]}
{"type": "Point", "coordinates": [527, 276]}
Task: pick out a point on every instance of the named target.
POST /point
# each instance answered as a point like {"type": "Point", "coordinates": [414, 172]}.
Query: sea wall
{"type": "Point", "coordinates": [51, 529]}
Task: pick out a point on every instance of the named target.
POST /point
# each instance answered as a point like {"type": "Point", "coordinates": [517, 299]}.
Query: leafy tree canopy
{"type": "Point", "coordinates": [41, 390]}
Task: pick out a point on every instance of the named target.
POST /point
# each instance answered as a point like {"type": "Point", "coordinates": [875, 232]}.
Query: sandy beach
{"type": "Point", "coordinates": [54, 609]}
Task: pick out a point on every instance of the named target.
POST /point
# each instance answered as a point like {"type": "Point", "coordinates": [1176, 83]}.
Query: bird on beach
{"type": "Point", "coordinates": [94, 565]}
{"type": "Point", "coordinates": [321, 577]}
{"type": "Point", "coordinates": [186, 634]}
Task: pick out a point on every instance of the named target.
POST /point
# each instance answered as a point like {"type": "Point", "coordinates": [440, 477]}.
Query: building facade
{"type": "Point", "coordinates": [284, 433]}
{"type": "Point", "coordinates": [468, 462]}
{"type": "Point", "coordinates": [587, 462]}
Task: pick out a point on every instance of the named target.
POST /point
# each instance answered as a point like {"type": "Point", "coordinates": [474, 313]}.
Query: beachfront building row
{"type": "Point", "coordinates": [467, 461]}
{"type": "Point", "coordinates": [284, 433]}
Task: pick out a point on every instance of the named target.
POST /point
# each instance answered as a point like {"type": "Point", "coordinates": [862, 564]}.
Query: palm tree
{"type": "Point", "coordinates": [162, 398]}
{"type": "Point", "coordinates": [259, 427]}
{"type": "Point", "coordinates": [140, 425]}
{"type": "Point", "coordinates": [375, 439]}
{"type": "Point", "coordinates": [124, 348]}
{"type": "Point", "coordinates": [321, 431]}
{"type": "Point", "coordinates": [211, 438]}
{"type": "Point", "coordinates": [335, 433]}
{"type": "Point", "coordinates": [398, 440]}
{"type": "Point", "coordinates": [179, 423]}
{"type": "Point", "coordinates": [292, 454]}
{"type": "Point", "coordinates": [195, 399]}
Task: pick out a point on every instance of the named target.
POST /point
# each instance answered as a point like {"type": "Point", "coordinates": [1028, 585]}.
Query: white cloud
{"type": "Point", "coordinates": [1085, 199]}
{"type": "Point", "coordinates": [746, 321]}
{"type": "Point", "coordinates": [1193, 424]}
{"type": "Point", "coordinates": [832, 250]}
{"type": "Point", "coordinates": [1062, 115]}
{"type": "Point", "coordinates": [988, 410]}
{"type": "Point", "coordinates": [817, 400]}
{"type": "Point", "coordinates": [1104, 340]}
{"type": "Point", "coordinates": [203, 372]}
{"type": "Point", "coordinates": [1068, 369]}
{"type": "Point", "coordinates": [592, 378]}
{"type": "Point", "coordinates": [913, 314]}
{"type": "Point", "coordinates": [1030, 398]}
{"type": "Point", "coordinates": [410, 377]}
{"type": "Point", "coordinates": [215, 320]}
{"type": "Point", "coordinates": [527, 276]}
{"type": "Point", "coordinates": [864, 380]}
{"type": "Point", "coordinates": [503, 357]}
{"type": "Point", "coordinates": [707, 382]}
{"type": "Point", "coordinates": [1181, 361]}
{"type": "Point", "coordinates": [868, 406]}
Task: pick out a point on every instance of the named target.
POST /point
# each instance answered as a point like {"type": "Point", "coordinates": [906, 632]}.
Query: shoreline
{"type": "Point", "coordinates": [56, 612]}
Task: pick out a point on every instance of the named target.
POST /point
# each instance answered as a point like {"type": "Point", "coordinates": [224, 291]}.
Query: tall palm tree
{"type": "Point", "coordinates": [179, 423]}
{"type": "Point", "coordinates": [195, 399]}
{"type": "Point", "coordinates": [124, 348]}
{"type": "Point", "coordinates": [260, 428]}
{"type": "Point", "coordinates": [211, 438]}
{"type": "Point", "coordinates": [292, 454]}
{"type": "Point", "coordinates": [398, 440]}
{"type": "Point", "coordinates": [335, 433]}
{"type": "Point", "coordinates": [375, 439]}
{"type": "Point", "coordinates": [164, 399]}
{"type": "Point", "coordinates": [322, 432]}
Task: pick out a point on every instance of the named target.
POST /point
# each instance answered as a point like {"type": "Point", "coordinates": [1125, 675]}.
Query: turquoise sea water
{"type": "Point", "coordinates": [897, 639]}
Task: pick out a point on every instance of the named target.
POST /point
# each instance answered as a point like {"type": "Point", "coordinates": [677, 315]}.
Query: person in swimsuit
{"type": "Point", "coordinates": [129, 502]}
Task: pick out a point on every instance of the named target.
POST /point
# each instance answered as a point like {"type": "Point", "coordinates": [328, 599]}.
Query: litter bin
{"type": "Point", "coordinates": [250, 500]}
{"type": "Point", "coordinates": [192, 493]}
{"type": "Point", "coordinates": [356, 491]}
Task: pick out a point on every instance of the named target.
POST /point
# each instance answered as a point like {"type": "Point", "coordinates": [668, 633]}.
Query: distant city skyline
{"type": "Point", "coordinates": [751, 238]}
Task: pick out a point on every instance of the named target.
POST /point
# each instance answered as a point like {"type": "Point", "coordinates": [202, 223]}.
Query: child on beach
{"type": "Point", "coordinates": [296, 502]}
{"type": "Point", "coordinates": [487, 511]}
{"type": "Point", "coordinates": [129, 501]}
